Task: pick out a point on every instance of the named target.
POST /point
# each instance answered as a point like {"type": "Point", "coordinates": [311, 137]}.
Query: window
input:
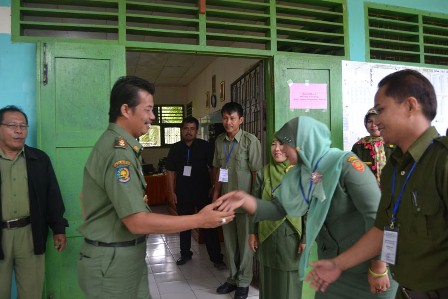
{"type": "Point", "coordinates": [165, 129]}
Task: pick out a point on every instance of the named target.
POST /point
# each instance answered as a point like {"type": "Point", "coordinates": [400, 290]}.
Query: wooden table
{"type": "Point", "coordinates": [156, 189]}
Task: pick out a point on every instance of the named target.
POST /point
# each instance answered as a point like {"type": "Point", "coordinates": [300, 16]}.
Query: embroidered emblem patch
{"type": "Point", "coordinates": [122, 171]}
{"type": "Point", "coordinates": [358, 165]}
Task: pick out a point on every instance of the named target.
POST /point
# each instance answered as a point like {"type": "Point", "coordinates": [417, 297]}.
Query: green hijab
{"type": "Point", "coordinates": [273, 174]}
{"type": "Point", "coordinates": [319, 163]}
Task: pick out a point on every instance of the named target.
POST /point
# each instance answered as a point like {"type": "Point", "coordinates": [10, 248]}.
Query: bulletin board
{"type": "Point", "coordinates": [360, 83]}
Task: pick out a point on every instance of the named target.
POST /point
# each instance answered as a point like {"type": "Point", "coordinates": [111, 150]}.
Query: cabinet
{"type": "Point", "coordinates": [156, 189]}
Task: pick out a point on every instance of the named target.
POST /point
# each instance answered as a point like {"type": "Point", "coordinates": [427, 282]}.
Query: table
{"type": "Point", "coordinates": [156, 189]}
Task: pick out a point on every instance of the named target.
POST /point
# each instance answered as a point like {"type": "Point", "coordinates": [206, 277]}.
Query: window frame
{"type": "Point", "coordinates": [160, 122]}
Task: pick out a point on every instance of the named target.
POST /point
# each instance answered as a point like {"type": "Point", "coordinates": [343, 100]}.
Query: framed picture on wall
{"type": "Point", "coordinates": [222, 91]}
{"type": "Point", "coordinates": [207, 99]}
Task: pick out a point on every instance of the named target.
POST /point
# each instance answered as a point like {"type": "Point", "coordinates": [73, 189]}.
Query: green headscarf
{"type": "Point", "coordinates": [273, 174]}
{"type": "Point", "coordinates": [318, 162]}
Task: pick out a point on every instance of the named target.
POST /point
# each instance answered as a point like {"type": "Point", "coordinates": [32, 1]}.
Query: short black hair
{"type": "Point", "coordinates": [232, 107]}
{"type": "Point", "coordinates": [410, 83]}
{"type": "Point", "coordinates": [125, 91]}
{"type": "Point", "coordinates": [12, 108]}
{"type": "Point", "coordinates": [190, 120]}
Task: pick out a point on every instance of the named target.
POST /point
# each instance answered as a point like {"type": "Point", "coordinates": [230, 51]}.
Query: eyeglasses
{"type": "Point", "coordinates": [11, 126]}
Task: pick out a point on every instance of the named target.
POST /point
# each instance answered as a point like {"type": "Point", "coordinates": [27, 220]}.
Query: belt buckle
{"type": "Point", "coordinates": [10, 222]}
{"type": "Point", "coordinates": [404, 291]}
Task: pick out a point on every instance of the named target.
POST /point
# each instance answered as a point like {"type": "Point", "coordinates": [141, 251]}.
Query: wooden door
{"type": "Point", "coordinates": [309, 69]}
{"type": "Point", "coordinates": [74, 83]}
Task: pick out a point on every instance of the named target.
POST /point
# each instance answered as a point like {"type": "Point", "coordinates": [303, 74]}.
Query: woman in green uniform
{"type": "Point", "coordinates": [371, 149]}
{"type": "Point", "coordinates": [276, 243]}
{"type": "Point", "coordinates": [338, 194]}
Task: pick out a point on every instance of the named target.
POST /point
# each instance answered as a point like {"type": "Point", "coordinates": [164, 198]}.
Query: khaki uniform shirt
{"type": "Point", "coordinates": [113, 186]}
{"type": "Point", "coordinates": [244, 159]}
{"type": "Point", "coordinates": [422, 218]}
{"type": "Point", "coordinates": [15, 199]}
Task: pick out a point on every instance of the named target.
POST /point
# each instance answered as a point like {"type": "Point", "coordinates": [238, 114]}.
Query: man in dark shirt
{"type": "Point", "coordinates": [189, 171]}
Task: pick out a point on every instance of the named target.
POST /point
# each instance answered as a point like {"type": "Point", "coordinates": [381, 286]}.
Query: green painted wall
{"type": "Point", "coordinates": [356, 24]}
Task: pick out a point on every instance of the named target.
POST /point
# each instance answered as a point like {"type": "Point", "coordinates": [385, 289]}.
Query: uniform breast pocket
{"type": "Point", "coordinates": [242, 159]}
{"type": "Point", "coordinates": [429, 213]}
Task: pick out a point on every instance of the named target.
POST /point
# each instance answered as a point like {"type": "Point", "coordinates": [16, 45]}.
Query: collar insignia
{"type": "Point", "coordinates": [120, 142]}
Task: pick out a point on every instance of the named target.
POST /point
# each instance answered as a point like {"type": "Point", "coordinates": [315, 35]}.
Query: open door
{"type": "Point", "coordinates": [309, 69]}
{"type": "Point", "coordinates": [74, 83]}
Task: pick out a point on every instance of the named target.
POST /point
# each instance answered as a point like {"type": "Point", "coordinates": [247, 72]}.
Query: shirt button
{"type": "Point", "coordinates": [403, 172]}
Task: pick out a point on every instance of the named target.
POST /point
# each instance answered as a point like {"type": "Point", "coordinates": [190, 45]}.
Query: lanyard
{"type": "Point", "coordinates": [306, 198]}
{"type": "Point", "coordinates": [400, 195]}
{"type": "Point", "coordinates": [225, 150]}
{"type": "Point", "coordinates": [188, 156]}
{"type": "Point", "coordinates": [273, 189]}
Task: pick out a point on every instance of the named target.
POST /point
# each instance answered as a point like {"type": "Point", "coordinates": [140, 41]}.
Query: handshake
{"type": "Point", "coordinates": [221, 211]}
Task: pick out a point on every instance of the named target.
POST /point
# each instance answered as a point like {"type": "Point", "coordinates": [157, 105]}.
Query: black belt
{"type": "Point", "coordinates": [435, 294]}
{"type": "Point", "coordinates": [117, 244]}
{"type": "Point", "coordinates": [16, 223]}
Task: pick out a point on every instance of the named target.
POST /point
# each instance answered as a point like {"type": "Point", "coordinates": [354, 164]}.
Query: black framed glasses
{"type": "Point", "coordinates": [13, 126]}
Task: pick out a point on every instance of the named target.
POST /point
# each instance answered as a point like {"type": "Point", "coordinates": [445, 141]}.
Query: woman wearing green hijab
{"type": "Point", "coordinates": [276, 243]}
{"type": "Point", "coordinates": [340, 197]}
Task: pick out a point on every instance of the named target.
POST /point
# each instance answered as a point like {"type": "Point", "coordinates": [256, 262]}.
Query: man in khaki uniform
{"type": "Point", "coordinates": [237, 159]}
{"type": "Point", "coordinates": [412, 217]}
{"type": "Point", "coordinates": [30, 203]}
{"type": "Point", "coordinates": [112, 258]}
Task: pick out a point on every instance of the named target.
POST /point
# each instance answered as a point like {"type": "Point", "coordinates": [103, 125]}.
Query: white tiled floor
{"type": "Point", "coordinates": [197, 279]}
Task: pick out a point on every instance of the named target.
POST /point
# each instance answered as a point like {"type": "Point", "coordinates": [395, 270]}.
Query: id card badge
{"type": "Point", "coordinates": [187, 170]}
{"type": "Point", "coordinates": [223, 175]}
{"type": "Point", "coordinates": [390, 242]}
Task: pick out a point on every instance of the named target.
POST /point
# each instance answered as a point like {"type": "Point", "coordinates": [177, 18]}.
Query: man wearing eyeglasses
{"type": "Point", "coordinates": [31, 202]}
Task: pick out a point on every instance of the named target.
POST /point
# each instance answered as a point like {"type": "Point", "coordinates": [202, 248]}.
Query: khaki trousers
{"type": "Point", "coordinates": [113, 272]}
{"type": "Point", "coordinates": [19, 256]}
{"type": "Point", "coordinates": [239, 255]}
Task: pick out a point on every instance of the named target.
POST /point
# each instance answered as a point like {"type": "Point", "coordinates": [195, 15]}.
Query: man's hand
{"type": "Point", "coordinates": [211, 217]}
{"type": "Point", "coordinates": [235, 199]}
{"type": "Point", "coordinates": [172, 198]}
{"type": "Point", "coordinates": [253, 242]}
{"type": "Point", "coordinates": [324, 273]}
{"type": "Point", "coordinates": [59, 242]}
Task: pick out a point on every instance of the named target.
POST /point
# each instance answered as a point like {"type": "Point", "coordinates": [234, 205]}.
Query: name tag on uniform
{"type": "Point", "coordinates": [187, 170]}
{"type": "Point", "coordinates": [390, 242]}
{"type": "Point", "coordinates": [223, 175]}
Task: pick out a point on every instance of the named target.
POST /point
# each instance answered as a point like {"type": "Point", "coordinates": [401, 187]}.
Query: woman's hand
{"type": "Point", "coordinates": [301, 248]}
{"type": "Point", "coordinates": [235, 199]}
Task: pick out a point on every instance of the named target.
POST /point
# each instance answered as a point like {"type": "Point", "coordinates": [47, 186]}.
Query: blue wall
{"type": "Point", "coordinates": [356, 23]}
{"type": "Point", "coordinates": [17, 82]}
{"type": "Point", "coordinates": [17, 73]}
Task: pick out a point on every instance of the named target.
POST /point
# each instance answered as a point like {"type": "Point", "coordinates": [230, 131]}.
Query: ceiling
{"type": "Point", "coordinates": [166, 69]}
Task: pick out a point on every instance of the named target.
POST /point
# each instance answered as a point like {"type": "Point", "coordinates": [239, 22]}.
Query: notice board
{"type": "Point", "coordinates": [360, 83]}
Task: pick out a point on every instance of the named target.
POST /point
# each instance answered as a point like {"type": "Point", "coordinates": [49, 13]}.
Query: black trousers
{"type": "Point", "coordinates": [211, 237]}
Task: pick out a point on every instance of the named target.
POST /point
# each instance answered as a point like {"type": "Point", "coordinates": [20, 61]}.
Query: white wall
{"type": "Point", "coordinates": [225, 69]}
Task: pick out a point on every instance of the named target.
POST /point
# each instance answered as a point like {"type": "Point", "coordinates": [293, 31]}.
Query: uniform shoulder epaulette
{"type": "Point", "coordinates": [443, 140]}
{"type": "Point", "coordinates": [120, 142]}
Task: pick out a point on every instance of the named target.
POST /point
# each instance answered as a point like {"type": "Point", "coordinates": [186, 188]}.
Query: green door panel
{"type": "Point", "coordinates": [72, 112]}
{"type": "Point", "coordinates": [313, 70]}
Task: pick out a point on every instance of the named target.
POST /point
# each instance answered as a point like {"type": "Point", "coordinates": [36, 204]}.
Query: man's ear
{"type": "Point", "coordinates": [124, 109]}
{"type": "Point", "coordinates": [413, 105]}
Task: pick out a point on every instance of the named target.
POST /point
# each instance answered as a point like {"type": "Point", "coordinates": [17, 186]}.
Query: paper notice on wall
{"type": "Point", "coordinates": [308, 96]}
